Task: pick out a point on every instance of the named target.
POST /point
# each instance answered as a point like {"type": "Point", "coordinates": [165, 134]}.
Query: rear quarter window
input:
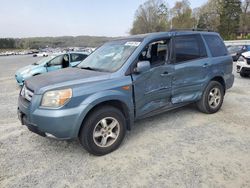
{"type": "Point", "coordinates": [216, 45]}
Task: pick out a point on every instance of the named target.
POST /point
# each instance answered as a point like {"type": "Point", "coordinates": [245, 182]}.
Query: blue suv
{"type": "Point", "coordinates": [125, 80]}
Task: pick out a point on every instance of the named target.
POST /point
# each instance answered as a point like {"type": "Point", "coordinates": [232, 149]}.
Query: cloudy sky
{"type": "Point", "coordinates": [31, 18]}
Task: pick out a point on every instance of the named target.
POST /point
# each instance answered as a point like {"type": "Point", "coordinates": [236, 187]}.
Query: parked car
{"type": "Point", "coordinates": [49, 64]}
{"type": "Point", "coordinates": [123, 81]}
{"type": "Point", "coordinates": [243, 64]}
{"type": "Point", "coordinates": [236, 50]}
{"type": "Point", "coordinates": [41, 54]}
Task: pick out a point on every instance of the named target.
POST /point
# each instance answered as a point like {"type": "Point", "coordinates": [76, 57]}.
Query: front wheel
{"type": "Point", "coordinates": [212, 98]}
{"type": "Point", "coordinates": [242, 74]}
{"type": "Point", "coordinates": [103, 130]}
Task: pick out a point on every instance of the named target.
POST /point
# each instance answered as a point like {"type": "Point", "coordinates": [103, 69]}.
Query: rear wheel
{"type": "Point", "coordinates": [103, 131]}
{"type": "Point", "coordinates": [212, 98]}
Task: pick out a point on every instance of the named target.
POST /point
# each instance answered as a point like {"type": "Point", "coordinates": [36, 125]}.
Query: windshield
{"type": "Point", "coordinates": [234, 49]}
{"type": "Point", "coordinates": [43, 60]}
{"type": "Point", "coordinates": [110, 57]}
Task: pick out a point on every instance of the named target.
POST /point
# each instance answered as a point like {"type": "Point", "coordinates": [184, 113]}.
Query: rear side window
{"type": "Point", "coordinates": [77, 57]}
{"type": "Point", "coordinates": [216, 45]}
{"type": "Point", "coordinates": [189, 47]}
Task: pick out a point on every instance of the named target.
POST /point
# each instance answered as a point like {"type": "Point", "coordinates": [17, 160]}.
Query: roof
{"type": "Point", "coordinates": [164, 34]}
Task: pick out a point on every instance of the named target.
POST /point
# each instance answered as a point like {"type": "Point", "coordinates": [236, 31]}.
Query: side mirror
{"type": "Point", "coordinates": [142, 66]}
{"type": "Point", "coordinates": [47, 65]}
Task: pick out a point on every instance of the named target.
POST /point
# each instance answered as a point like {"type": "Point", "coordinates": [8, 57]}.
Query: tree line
{"type": "Point", "coordinates": [231, 18]}
{"type": "Point", "coordinates": [54, 42]}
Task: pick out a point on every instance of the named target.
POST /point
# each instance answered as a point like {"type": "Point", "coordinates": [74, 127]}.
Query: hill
{"type": "Point", "coordinates": [42, 42]}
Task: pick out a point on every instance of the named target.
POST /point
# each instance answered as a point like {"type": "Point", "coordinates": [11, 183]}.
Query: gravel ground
{"type": "Point", "coordinates": [181, 148]}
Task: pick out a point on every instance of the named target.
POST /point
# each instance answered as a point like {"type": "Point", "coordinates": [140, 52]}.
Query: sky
{"type": "Point", "coordinates": [33, 18]}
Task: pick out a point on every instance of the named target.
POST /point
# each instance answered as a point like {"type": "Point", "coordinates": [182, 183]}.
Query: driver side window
{"type": "Point", "coordinates": [56, 61]}
{"type": "Point", "coordinates": [156, 53]}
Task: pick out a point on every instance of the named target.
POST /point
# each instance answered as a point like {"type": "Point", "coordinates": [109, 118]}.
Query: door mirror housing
{"type": "Point", "coordinates": [142, 66]}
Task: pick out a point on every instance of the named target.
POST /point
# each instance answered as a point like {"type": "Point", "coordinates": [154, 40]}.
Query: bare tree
{"type": "Point", "coordinates": [245, 18]}
{"type": "Point", "coordinates": [152, 16]}
{"type": "Point", "coordinates": [209, 15]}
{"type": "Point", "coordinates": [182, 15]}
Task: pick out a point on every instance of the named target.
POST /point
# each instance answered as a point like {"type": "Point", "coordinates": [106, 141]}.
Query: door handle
{"type": "Point", "coordinates": [164, 73]}
{"type": "Point", "coordinates": [205, 65]}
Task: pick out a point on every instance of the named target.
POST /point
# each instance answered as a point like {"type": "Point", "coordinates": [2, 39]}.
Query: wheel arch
{"type": "Point", "coordinates": [221, 80]}
{"type": "Point", "coordinates": [119, 104]}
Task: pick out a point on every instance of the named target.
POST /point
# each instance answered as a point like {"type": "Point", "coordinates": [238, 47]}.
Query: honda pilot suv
{"type": "Point", "coordinates": [125, 80]}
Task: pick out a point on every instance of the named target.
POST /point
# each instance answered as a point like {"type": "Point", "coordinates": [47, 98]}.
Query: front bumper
{"type": "Point", "coordinates": [59, 123]}
{"type": "Point", "coordinates": [22, 117]}
{"type": "Point", "coordinates": [242, 67]}
{"type": "Point", "coordinates": [245, 70]}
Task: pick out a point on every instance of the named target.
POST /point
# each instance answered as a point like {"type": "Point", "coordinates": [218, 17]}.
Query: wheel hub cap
{"type": "Point", "coordinates": [106, 132]}
{"type": "Point", "coordinates": [214, 98]}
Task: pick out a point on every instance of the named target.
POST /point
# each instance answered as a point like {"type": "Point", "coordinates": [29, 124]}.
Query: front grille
{"type": "Point", "coordinates": [26, 93]}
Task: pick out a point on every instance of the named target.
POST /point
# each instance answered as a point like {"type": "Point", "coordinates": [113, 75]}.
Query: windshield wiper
{"type": "Point", "coordinates": [91, 68]}
{"type": "Point", "coordinates": [87, 68]}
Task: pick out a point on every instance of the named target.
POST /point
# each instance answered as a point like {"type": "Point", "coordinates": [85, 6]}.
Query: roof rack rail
{"type": "Point", "coordinates": [193, 29]}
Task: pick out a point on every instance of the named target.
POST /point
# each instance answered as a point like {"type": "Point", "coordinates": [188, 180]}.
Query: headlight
{"type": "Point", "coordinates": [56, 98]}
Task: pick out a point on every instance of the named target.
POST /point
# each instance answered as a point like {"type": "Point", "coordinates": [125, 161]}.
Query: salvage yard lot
{"type": "Point", "coordinates": [180, 148]}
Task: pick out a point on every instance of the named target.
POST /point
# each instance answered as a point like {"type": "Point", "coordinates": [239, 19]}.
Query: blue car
{"type": "Point", "coordinates": [49, 64]}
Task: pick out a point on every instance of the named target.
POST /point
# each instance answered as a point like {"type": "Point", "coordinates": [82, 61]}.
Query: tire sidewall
{"type": "Point", "coordinates": [89, 127]}
{"type": "Point", "coordinates": [211, 86]}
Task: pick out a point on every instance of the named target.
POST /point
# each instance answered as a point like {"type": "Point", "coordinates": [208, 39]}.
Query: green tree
{"type": "Point", "coordinates": [152, 16]}
{"type": "Point", "coordinates": [6, 43]}
{"type": "Point", "coordinates": [230, 11]}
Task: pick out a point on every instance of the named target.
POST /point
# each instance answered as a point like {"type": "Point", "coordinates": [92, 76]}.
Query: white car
{"type": "Point", "coordinates": [243, 64]}
{"type": "Point", "coordinates": [41, 54]}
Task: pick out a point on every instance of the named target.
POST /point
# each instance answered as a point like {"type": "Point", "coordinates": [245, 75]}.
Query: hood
{"type": "Point", "coordinates": [63, 78]}
{"type": "Point", "coordinates": [246, 54]}
{"type": "Point", "coordinates": [25, 69]}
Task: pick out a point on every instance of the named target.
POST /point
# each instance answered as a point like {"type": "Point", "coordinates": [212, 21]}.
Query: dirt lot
{"type": "Point", "coordinates": [181, 148]}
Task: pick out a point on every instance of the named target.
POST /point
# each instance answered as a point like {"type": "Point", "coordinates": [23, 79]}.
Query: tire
{"type": "Point", "coordinates": [242, 74]}
{"type": "Point", "coordinates": [212, 98]}
{"type": "Point", "coordinates": [97, 139]}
